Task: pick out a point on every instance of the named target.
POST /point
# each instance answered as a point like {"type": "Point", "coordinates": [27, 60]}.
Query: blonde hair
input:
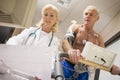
{"type": "Point", "coordinates": [52, 7]}
{"type": "Point", "coordinates": [92, 8]}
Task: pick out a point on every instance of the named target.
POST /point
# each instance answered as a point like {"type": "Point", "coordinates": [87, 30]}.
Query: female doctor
{"type": "Point", "coordinates": [43, 34]}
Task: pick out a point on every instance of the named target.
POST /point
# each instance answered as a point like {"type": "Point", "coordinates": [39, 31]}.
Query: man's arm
{"type": "Point", "coordinates": [101, 42]}
{"type": "Point", "coordinates": [66, 46]}
{"type": "Point", "coordinates": [69, 38]}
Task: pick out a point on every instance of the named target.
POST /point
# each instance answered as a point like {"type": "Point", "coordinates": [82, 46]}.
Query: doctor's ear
{"type": "Point", "coordinates": [97, 18]}
{"type": "Point", "coordinates": [58, 19]}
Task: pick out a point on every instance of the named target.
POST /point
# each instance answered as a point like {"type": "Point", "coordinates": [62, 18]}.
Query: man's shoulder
{"type": "Point", "coordinates": [99, 36]}
{"type": "Point", "coordinates": [77, 27]}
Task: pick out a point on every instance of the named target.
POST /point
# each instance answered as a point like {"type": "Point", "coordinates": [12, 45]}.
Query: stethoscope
{"type": "Point", "coordinates": [33, 34]}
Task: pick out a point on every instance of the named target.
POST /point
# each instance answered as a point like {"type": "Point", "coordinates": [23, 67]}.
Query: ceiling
{"type": "Point", "coordinates": [108, 10]}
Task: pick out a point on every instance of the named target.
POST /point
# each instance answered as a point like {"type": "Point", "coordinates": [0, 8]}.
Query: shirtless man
{"type": "Point", "coordinates": [80, 34]}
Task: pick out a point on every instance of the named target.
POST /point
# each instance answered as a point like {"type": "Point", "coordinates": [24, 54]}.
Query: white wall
{"type": "Point", "coordinates": [115, 47]}
{"type": "Point", "coordinates": [7, 5]}
{"type": "Point", "coordinates": [23, 11]}
{"type": "Point", "coordinates": [112, 28]}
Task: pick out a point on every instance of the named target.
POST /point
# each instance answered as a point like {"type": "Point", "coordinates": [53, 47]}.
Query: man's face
{"type": "Point", "coordinates": [90, 16]}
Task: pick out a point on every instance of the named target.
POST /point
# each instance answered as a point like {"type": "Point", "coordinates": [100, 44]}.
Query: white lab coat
{"type": "Point", "coordinates": [42, 38]}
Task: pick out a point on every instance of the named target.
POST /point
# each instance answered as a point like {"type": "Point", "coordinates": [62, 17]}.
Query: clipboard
{"type": "Point", "coordinates": [97, 57]}
{"type": "Point", "coordinates": [26, 62]}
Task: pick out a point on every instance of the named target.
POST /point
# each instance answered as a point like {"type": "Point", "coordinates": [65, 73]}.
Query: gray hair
{"type": "Point", "coordinates": [93, 8]}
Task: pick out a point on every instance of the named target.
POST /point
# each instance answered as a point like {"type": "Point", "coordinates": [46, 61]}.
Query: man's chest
{"type": "Point", "coordinates": [82, 37]}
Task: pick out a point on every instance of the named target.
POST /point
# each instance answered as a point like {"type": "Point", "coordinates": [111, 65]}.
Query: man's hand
{"type": "Point", "coordinates": [74, 55]}
{"type": "Point", "coordinates": [115, 70]}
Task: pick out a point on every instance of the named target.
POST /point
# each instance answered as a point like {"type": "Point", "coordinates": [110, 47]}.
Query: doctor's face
{"type": "Point", "coordinates": [49, 17]}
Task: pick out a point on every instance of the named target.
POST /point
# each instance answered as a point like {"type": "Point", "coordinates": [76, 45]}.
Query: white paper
{"type": "Point", "coordinates": [34, 60]}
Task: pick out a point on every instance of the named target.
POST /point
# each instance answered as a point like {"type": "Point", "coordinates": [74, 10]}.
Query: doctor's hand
{"type": "Point", "coordinates": [3, 67]}
{"type": "Point", "coordinates": [74, 55]}
{"type": "Point", "coordinates": [36, 78]}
